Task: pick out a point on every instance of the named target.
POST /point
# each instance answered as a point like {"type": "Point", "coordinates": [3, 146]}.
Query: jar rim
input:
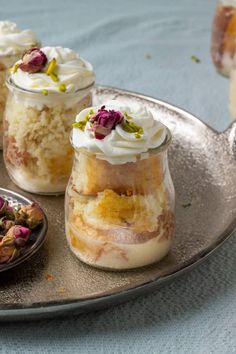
{"type": "Point", "coordinates": [154, 151]}
{"type": "Point", "coordinates": [10, 84]}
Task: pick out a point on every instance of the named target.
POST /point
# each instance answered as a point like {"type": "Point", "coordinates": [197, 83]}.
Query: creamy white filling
{"type": "Point", "coordinates": [120, 146]}
{"type": "Point", "coordinates": [14, 41]}
{"type": "Point", "coordinates": [122, 256]}
{"type": "Point", "coordinates": [72, 71]}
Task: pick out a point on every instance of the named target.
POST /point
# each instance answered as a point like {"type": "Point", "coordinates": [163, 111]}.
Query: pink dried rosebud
{"type": "Point", "coordinates": [33, 61]}
{"type": "Point", "coordinates": [32, 215]}
{"type": "Point", "coordinates": [19, 233]}
{"type": "Point", "coordinates": [104, 122]}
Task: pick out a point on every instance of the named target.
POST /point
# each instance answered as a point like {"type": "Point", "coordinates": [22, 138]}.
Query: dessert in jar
{"type": "Point", "coordinates": [47, 88]}
{"type": "Point", "coordinates": [13, 42]}
{"type": "Point", "coordinates": [119, 205]}
{"type": "Point", "coordinates": [223, 41]}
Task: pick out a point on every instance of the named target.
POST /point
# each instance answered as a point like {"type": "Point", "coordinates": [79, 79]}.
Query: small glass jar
{"type": "Point", "coordinates": [223, 41]}
{"type": "Point", "coordinates": [37, 151]}
{"type": "Point", "coordinates": [120, 216]}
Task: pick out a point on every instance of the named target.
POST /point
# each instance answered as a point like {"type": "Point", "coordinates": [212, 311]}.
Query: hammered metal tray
{"type": "Point", "coordinates": [53, 282]}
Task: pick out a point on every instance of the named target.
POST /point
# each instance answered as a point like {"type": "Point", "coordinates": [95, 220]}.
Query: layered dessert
{"type": "Point", "coordinates": [13, 43]}
{"type": "Point", "coordinates": [120, 198]}
{"type": "Point", "coordinates": [223, 42]}
{"type": "Point", "coordinates": [48, 87]}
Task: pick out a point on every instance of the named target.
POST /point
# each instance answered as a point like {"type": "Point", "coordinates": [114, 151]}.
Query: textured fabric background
{"type": "Point", "coordinates": [145, 46]}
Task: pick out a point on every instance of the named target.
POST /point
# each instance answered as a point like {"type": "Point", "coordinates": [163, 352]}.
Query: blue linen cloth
{"type": "Point", "coordinates": [145, 46]}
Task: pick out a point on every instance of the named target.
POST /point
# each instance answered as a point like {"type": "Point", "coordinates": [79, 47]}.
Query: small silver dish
{"type": "Point", "coordinates": [37, 236]}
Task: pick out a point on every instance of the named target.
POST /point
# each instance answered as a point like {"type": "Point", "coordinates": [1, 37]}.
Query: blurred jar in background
{"type": "Point", "coordinates": [232, 92]}
{"type": "Point", "coordinates": [223, 41]}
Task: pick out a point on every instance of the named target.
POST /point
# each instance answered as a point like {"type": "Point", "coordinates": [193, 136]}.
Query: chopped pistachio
{"type": "Point", "coordinates": [54, 77]}
{"type": "Point", "coordinates": [62, 88]}
{"type": "Point", "coordinates": [14, 69]}
{"type": "Point", "coordinates": [196, 59]}
{"type": "Point", "coordinates": [91, 111]}
{"type": "Point", "coordinates": [45, 92]}
{"type": "Point", "coordinates": [137, 135]}
{"type": "Point", "coordinates": [51, 66]}
{"type": "Point", "coordinates": [127, 116]}
{"type": "Point", "coordinates": [81, 124]}
{"type": "Point", "coordinates": [131, 127]}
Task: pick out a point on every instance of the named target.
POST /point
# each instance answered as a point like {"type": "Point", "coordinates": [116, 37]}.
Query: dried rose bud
{"type": "Point", "coordinates": [3, 205]}
{"type": "Point", "coordinates": [33, 61]}
{"type": "Point", "coordinates": [7, 249]}
{"type": "Point", "coordinates": [32, 214]}
{"type": "Point", "coordinates": [104, 122]}
{"type": "Point", "coordinates": [10, 212]}
{"type": "Point", "coordinates": [19, 234]}
{"type": "Point", "coordinates": [6, 225]}
{"type": "Point", "coordinates": [7, 253]}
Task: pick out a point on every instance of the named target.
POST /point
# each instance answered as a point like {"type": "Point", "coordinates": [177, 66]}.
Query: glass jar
{"type": "Point", "coordinates": [120, 216]}
{"type": "Point", "coordinates": [6, 62]}
{"type": "Point", "coordinates": [223, 41]}
{"type": "Point", "coordinates": [37, 151]}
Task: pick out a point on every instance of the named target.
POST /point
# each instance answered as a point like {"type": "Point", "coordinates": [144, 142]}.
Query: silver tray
{"type": "Point", "coordinates": [202, 161]}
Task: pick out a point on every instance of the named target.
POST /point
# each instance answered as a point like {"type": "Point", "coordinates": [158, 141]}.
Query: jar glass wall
{"type": "Point", "coordinates": [37, 151]}
{"type": "Point", "coordinates": [6, 62]}
{"type": "Point", "coordinates": [120, 216]}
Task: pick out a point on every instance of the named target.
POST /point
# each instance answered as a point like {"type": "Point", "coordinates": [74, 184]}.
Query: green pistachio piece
{"type": "Point", "coordinates": [51, 66]}
{"type": "Point", "coordinates": [81, 124]}
{"type": "Point", "coordinates": [62, 88]}
{"type": "Point", "coordinates": [127, 116]}
{"type": "Point", "coordinates": [54, 77]}
{"type": "Point", "coordinates": [14, 69]}
{"type": "Point", "coordinates": [131, 127]}
{"type": "Point", "coordinates": [137, 135]}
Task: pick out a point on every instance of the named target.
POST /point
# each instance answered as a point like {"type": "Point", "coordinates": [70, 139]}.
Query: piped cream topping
{"type": "Point", "coordinates": [14, 41]}
{"type": "Point", "coordinates": [73, 73]}
{"type": "Point", "coordinates": [120, 146]}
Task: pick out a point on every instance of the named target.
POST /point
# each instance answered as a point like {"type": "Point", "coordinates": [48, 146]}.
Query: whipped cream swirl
{"type": "Point", "coordinates": [120, 146]}
{"type": "Point", "coordinates": [14, 41]}
{"type": "Point", "coordinates": [72, 71]}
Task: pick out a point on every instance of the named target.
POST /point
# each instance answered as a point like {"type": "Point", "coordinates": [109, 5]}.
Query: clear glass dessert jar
{"type": "Point", "coordinates": [223, 41]}
{"type": "Point", "coordinates": [37, 151]}
{"type": "Point", "coordinates": [120, 216]}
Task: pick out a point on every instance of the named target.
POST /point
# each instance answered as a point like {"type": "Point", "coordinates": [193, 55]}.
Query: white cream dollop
{"type": "Point", "coordinates": [14, 41]}
{"type": "Point", "coordinates": [72, 71]}
{"type": "Point", "coordinates": [119, 146]}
